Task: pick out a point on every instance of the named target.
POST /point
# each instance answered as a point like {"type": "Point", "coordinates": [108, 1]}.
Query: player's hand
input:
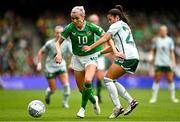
{"type": "Point", "coordinates": [58, 58]}
{"type": "Point", "coordinates": [119, 55]}
{"type": "Point", "coordinates": [39, 66]}
{"type": "Point", "coordinates": [86, 48]}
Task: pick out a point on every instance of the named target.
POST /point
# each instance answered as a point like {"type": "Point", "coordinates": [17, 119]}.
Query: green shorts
{"type": "Point", "coordinates": [129, 65]}
{"type": "Point", "coordinates": [53, 75]}
{"type": "Point", "coordinates": [163, 68]}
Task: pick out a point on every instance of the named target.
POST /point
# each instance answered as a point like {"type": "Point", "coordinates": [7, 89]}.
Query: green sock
{"type": "Point", "coordinates": [86, 94]}
{"type": "Point", "coordinates": [99, 86]}
{"type": "Point", "coordinates": [91, 98]}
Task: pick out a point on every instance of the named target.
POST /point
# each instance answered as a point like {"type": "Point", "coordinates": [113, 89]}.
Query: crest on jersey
{"type": "Point", "coordinates": [74, 33]}
{"type": "Point", "coordinates": [89, 33]}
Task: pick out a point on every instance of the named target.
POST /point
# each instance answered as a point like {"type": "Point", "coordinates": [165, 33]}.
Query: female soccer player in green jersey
{"type": "Point", "coordinates": [124, 48]}
{"type": "Point", "coordinates": [53, 70]}
{"type": "Point", "coordinates": [164, 60]}
{"type": "Point", "coordinates": [94, 18]}
{"type": "Point", "coordinates": [84, 64]}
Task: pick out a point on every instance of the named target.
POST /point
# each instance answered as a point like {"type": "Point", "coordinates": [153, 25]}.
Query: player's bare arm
{"type": "Point", "coordinates": [173, 58]}
{"type": "Point", "coordinates": [58, 56]}
{"type": "Point", "coordinates": [102, 40]}
{"type": "Point", "coordinates": [115, 51]}
{"type": "Point", "coordinates": [40, 56]}
{"type": "Point", "coordinates": [106, 50]}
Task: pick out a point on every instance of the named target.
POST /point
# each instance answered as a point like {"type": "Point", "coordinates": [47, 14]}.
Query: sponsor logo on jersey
{"type": "Point", "coordinates": [93, 58]}
{"type": "Point", "coordinates": [74, 33]}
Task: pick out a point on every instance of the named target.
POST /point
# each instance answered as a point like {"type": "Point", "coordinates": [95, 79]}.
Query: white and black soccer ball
{"type": "Point", "coordinates": [36, 108]}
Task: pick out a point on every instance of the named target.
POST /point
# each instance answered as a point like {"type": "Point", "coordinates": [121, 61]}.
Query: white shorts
{"type": "Point", "coordinates": [52, 67]}
{"type": "Point", "coordinates": [101, 63]}
{"type": "Point", "coordinates": [79, 63]}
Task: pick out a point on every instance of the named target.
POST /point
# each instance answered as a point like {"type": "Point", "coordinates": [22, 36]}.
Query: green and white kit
{"type": "Point", "coordinates": [80, 38]}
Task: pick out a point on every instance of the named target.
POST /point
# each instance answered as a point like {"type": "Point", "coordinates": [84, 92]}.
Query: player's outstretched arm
{"type": "Point", "coordinates": [58, 57]}
{"type": "Point", "coordinates": [106, 50]}
{"type": "Point", "coordinates": [39, 56]}
{"type": "Point", "coordinates": [102, 40]}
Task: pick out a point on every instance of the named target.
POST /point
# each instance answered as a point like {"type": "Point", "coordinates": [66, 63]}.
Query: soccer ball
{"type": "Point", "coordinates": [36, 108]}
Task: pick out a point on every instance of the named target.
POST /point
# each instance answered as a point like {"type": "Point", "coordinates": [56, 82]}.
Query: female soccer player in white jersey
{"type": "Point", "coordinates": [84, 64]}
{"type": "Point", "coordinates": [53, 70]}
{"type": "Point", "coordinates": [125, 50]}
{"type": "Point", "coordinates": [164, 61]}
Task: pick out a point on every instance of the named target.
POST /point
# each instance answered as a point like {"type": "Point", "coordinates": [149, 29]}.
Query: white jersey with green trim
{"type": "Point", "coordinates": [50, 65]}
{"type": "Point", "coordinates": [163, 46]}
{"type": "Point", "coordinates": [123, 39]}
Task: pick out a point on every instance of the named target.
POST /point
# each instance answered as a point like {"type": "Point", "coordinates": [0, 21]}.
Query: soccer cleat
{"type": "Point", "coordinates": [81, 113]}
{"type": "Point", "coordinates": [175, 100]}
{"type": "Point", "coordinates": [131, 107]}
{"type": "Point", "coordinates": [65, 105]}
{"type": "Point", "coordinates": [96, 107]}
{"type": "Point", "coordinates": [152, 100]}
{"type": "Point", "coordinates": [116, 112]}
{"type": "Point", "coordinates": [47, 98]}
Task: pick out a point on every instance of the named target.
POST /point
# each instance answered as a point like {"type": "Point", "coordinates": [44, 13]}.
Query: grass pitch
{"type": "Point", "coordinates": [13, 107]}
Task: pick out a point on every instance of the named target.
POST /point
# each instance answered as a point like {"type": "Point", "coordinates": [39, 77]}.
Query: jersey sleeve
{"type": "Point", "coordinates": [66, 32]}
{"type": "Point", "coordinates": [45, 46]}
{"type": "Point", "coordinates": [113, 29]}
{"type": "Point", "coordinates": [97, 30]}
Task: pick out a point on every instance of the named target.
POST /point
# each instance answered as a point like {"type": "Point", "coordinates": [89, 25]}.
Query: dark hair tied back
{"type": "Point", "coordinates": [118, 10]}
{"type": "Point", "coordinates": [119, 7]}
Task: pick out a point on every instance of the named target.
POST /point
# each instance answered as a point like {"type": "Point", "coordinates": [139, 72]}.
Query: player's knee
{"type": "Point", "coordinates": [88, 79]}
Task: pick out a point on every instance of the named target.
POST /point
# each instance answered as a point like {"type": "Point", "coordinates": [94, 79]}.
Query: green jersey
{"type": "Point", "coordinates": [85, 36]}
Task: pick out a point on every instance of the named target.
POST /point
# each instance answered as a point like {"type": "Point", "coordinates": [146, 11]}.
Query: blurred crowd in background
{"type": "Point", "coordinates": [21, 38]}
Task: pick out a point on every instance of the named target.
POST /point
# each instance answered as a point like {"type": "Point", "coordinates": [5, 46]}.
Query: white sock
{"type": "Point", "coordinates": [122, 91]}
{"type": "Point", "coordinates": [155, 89]}
{"type": "Point", "coordinates": [48, 92]}
{"type": "Point", "coordinates": [113, 93]}
{"type": "Point", "coordinates": [66, 92]}
{"type": "Point", "coordinates": [172, 90]}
